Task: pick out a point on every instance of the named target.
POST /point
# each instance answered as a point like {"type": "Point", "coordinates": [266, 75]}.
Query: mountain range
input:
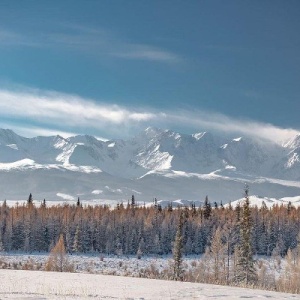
{"type": "Point", "coordinates": [155, 163]}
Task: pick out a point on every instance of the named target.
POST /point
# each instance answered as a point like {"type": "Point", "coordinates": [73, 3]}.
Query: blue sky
{"type": "Point", "coordinates": [112, 68]}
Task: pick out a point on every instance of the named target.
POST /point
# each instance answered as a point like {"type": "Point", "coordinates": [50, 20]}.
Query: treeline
{"type": "Point", "coordinates": [139, 230]}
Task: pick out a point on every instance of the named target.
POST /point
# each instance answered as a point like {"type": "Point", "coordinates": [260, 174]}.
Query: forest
{"type": "Point", "coordinates": [130, 229]}
{"type": "Point", "coordinates": [225, 238]}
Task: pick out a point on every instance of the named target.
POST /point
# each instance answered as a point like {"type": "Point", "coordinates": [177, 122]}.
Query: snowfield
{"type": "Point", "coordinates": [48, 285]}
{"type": "Point", "coordinates": [98, 263]}
{"type": "Point", "coordinates": [93, 279]}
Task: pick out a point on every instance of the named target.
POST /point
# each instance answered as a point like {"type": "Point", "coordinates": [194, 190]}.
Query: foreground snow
{"type": "Point", "coordinates": [49, 285]}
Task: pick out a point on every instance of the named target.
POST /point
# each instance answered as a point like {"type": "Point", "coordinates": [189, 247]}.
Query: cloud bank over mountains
{"type": "Point", "coordinates": [36, 112]}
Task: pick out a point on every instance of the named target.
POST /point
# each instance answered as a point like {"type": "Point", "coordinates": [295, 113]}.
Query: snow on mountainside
{"type": "Point", "coordinates": [292, 143]}
{"type": "Point", "coordinates": [268, 202]}
{"type": "Point", "coordinates": [155, 163]}
{"type": "Point", "coordinates": [292, 165]}
{"type": "Point", "coordinates": [252, 157]}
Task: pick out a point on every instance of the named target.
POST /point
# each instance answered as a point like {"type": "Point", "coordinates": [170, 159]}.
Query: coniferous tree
{"type": "Point", "coordinates": [222, 206]}
{"type": "Point", "coordinates": [246, 272]}
{"type": "Point", "coordinates": [2, 249]}
{"type": "Point", "coordinates": [43, 205]}
{"type": "Point", "coordinates": [157, 245]}
{"type": "Point", "coordinates": [103, 229]}
{"type": "Point", "coordinates": [206, 208]}
{"type": "Point", "coordinates": [77, 244]}
{"type": "Point", "coordinates": [132, 201]}
{"type": "Point", "coordinates": [170, 206]}
{"type": "Point", "coordinates": [177, 251]}
{"type": "Point", "coordinates": [155, 203]}
{"type": "Point", "coordinates": [30, 200]}
{"type": "Point", "coordinates": [44, 239]}
{"type": "Point", "coordinates": [58, 258]}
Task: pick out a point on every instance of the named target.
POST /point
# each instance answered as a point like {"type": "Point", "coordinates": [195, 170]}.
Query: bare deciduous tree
{"type": "Point", "coordinates": [58, 258]}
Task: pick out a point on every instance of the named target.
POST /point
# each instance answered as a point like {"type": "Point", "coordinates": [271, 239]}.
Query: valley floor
{"type": "Point", "coordinates": [20, 284]}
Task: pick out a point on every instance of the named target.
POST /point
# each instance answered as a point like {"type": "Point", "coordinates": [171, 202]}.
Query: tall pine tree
{"type": "Point", "coordinates": [177, 251]}
{"type": "Point", "coordinates": [245, 273]}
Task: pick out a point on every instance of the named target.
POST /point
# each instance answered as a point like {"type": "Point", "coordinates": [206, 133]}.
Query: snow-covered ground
{"type": "Point", "coordinates": [98, 263]}
{"type": "Point", "coordinates": [17, 284]}
{"type": "Point", "coordinates": [87, 282]}
{"type": "Point", "coordinates": [123, 265]}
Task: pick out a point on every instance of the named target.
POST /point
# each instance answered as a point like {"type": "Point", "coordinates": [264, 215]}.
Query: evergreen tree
{"type": "Point", "coordinates": [18, 236]}
{"type": "Point", "coordinates": [77, 244]}
{"type": "Point", "coordinates": [1, 243]}
{"type": "Point", "coordinates": [206, 208]}
{"type": "Point", "coordinates": [222, 206]}
{"type": "Point", "coordinates": [44, 239]}
{"type": "Point", "coordinates": [157, 245]}
{"type": "Point", "coordinates": [177, 251]}
{"type": "Point", "coordinates": [43, 205]}
{"type": "Point", "coordinates": [141, 248]}
{"type": "Point", "coordinates": [132, 201]}
{"type": "Point", "coordinates": [30, 200]}
{"type": "Point", "coordinates": [245, 272]}
{"type": "Point", "coordinates": [4, 205]}
{"type": "Point", "coordinates": [155, 203]}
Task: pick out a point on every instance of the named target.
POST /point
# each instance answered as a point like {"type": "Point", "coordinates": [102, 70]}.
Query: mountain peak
{"type": "Point", "coordinates": [293, 143]}
{"type": "Point", "coordinates": [7, 132]}
{"type": "Point", "coordinates": [8, 136]}
{"type": "Point", "coordinates": [199, 135]}
{"type": "Point", "coordinates": [153, 130]}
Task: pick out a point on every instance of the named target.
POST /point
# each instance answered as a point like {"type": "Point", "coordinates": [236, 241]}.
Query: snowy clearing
{"type": "Point", "coordinates": [49, 285]}
{"type": "Point", "coordinates": [97, 263]}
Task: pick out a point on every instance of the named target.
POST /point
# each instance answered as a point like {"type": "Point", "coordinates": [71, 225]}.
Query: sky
{"type": "Point", "coordinates": [112, 68]}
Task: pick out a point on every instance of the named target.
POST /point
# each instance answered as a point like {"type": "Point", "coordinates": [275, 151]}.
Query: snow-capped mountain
{"type": "Point", "coordinates": [292, 163]}
{"type": "Point", "coordinates": [155, 163]}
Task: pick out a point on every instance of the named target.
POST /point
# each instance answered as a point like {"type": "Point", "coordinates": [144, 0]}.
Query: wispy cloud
{"type": "Point", "coordinates": [97, 42]}
{"type": "Point", "coordinates": [221, 123]}
{"type": "Point", "coordinates": [11, 38]}
{"type": "Point", "coordinates": [51, 112]}
{"type": "Point", "coordinates": [147, 53]}
{"type": "Point", "coordinates": [70, 109]}
{"type": "Point", "coordinates": [33, 131]}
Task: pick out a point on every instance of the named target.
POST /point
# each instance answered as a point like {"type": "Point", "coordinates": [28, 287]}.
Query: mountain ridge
{"type": "Point", "coordinates": [156, 162]}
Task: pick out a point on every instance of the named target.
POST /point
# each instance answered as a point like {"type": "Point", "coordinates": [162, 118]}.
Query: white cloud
{"type": "Point", "coordinates": [147, 53]}
{"type": "Point", "coordinates": [32, 131]}
{"type": "Point", "coordinates": [11, 38]}
{"type": "Point", "coordinates": [96, 42]}
{"type": "Point", "coordinates": [69, 109]}
{"type": "Point", "coordinates": [73, 114]}
{"type": "Point", "coordinates": [222, 123]}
